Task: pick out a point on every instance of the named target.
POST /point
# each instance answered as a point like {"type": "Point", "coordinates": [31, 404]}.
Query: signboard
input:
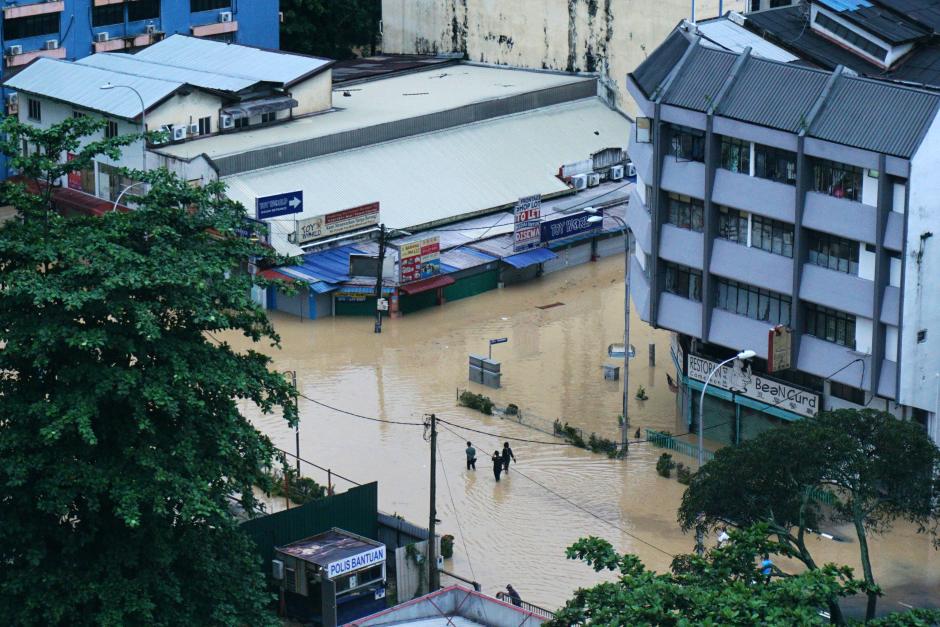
{"type": "Point", "coordinates": [279, 205]}
{"type": "Point", "coordinates": [499, 340]}
{"type": "Point", "coordinates": [526, 233]}
{"type": "Point", "coordinates": [420, 259]}
{"type": "Point", "coordinates": [337, 222]}
{"type": "Point", "coordinates": [372, 557]}
{"type": "Point", "coordinates": [567, 226]}
{"type": "Point", "coordinates": [778, 348]}
{"type": "Point", "coordinates": [756, 387]}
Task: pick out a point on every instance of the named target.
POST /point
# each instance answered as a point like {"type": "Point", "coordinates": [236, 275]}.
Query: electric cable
{"type": "Point", "coordinates": [453, 504]}
{"type": "Point", "coordinates": [503, 437]}
{"type": "Point", "coordinates": [329, 470]}
{"type": "Point", "coordinates": [355, 415]}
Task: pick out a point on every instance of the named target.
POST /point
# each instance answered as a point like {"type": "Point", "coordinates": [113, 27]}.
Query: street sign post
{"type": "Point", "coordinates": [279, 205]}
{"type": "Point", "coordinates": [499, 340]}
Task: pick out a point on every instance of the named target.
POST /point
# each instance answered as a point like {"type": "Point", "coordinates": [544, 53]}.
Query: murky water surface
{"type": "Point", "coordinates": [516, 531]}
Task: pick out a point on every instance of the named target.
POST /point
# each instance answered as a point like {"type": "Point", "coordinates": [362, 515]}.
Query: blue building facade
{"type": "Point", "coordinates": [72, 29]}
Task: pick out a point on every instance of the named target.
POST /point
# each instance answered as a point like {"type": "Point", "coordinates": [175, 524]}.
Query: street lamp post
{"type": "Point", "coordinates": [124, 191]}
{"type": "Point", "coordinates": [743, 355]}
{"type": "Point", "coordinates": [143, 122]}
{"type": "Point", "coordinates": [625, 426]}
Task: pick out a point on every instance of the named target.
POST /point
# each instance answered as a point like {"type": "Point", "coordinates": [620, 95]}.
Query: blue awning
{"type": "Point", "coordinates": [322, 287]}
{"type": "Point", "coordinates": [530, 258]}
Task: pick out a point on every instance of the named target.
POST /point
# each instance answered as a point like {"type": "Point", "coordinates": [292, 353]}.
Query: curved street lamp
{"type": "Point", "coordinates": [143, 122]}
{"type": "Point", "coordinates": [744, 356]}
{"type": "Point", "coordinates": [124, 191]}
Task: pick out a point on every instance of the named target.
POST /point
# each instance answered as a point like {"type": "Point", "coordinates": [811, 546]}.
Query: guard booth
{"type": "Point", "coordinates": [331, 578]}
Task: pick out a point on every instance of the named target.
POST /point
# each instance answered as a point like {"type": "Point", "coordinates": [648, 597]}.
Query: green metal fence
{"type": "Point", "coordinates": [665, 440]}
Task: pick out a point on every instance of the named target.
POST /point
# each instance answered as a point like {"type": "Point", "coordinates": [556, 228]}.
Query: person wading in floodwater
{"type": "Point", "coordinates": [497, 465]}
{"type": "Point", "coordinates": [471, 457]}
{"type": "Point", "coordinates": [507, 454]}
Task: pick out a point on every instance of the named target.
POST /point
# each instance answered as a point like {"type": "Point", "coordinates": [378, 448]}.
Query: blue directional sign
{"type": "Point", "coordinates": [279, 205]}
{"type": "Point", "coordinates": [499, 340]}
{"type": "Point", "coordinates": [567, 226]}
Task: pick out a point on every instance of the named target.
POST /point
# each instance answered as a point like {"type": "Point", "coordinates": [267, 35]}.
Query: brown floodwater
{"type": "Point", "coordinates": [516, 531]}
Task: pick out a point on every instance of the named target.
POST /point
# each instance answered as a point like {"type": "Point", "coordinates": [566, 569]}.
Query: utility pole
{"type": "Point", "coordinates": [378, 280]}
{"type": "Point", "coordinates": [293, 382]}
{"type": "Point", "coordinates": [433, 574]}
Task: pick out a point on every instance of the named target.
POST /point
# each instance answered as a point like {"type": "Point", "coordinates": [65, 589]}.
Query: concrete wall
{"type": "Point", "coordinates": [610, 37]}
{"type": "Point", "coordinates": [314, 94]}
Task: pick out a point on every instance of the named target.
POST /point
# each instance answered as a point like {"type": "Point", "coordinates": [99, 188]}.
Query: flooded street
{"type": "Point", "coordinates": [515, 531]}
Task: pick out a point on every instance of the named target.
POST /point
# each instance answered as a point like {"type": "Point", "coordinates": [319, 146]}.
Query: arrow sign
{"type": "Point", "coordinates": [279, 205]}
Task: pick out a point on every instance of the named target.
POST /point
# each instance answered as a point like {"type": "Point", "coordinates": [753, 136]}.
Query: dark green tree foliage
{"type": "Point", "coordinates": [724, 587]}
{"type": "Point", "coordinates": [331, 28]}
{"type": "Point", "coordinates": [876, 468]}
{"type": "Point", "coordinates": [120, 439]}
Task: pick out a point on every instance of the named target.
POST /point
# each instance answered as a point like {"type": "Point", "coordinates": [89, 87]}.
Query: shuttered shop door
{"type": "Point", "coordinates": [472, 285]}
{"type": "Point", "coordinates": [364, 307]}
{"type": "Point", "coordinates": [610, 246]}
{"type": "Point", "coordinates": [578, 254]}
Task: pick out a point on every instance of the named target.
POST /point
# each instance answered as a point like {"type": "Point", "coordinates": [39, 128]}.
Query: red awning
{"type": "Point", "coordinates": [274, 275]}
{"type": "Point", "coordinates": [425, 285]}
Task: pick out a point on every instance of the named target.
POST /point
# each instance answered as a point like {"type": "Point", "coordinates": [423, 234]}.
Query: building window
{"type": "Point", "coordinates": [922, 336]}
{"type": "Point", "coordinates": [107, 15]}
{"type": "Point", "coordinates": [31, 26]}
{"type": "Point", "coordinates": [736, 155]}
{"type": "Point", "coordinates": [207, 5]}
{"type": "Point", "coordinates": [205, 125]}
{"type": "Point", "coordinates": [732, 225]}
{"type": "Point", "coordinates": [686, 212]}
{"type": "Point", "coordinates": [835, 253]}
{"type": "Point", "coordinates": [270, 116]}
{"type": "Point", "coordinates": [920, 416]}
{"type": "Point", "coordinates": [830, 325]}
{"type": "Point", "coordinates": [683, 281]}
{"type": "Point", "coordinates": [111, 130]}
{"type": "Point", "coordinates": [143, 10]}
{"type": "Point", "coordinates": [837, 179]}
{"type": "Point", "coordinates": [241, 122]}
{"type": "Point", "coordinates": [686, 144]}
{"type": "Point", "coordinates": [772, 235]}
{"type": "Point", "coordinates": [753, 302]}
{"type": "Point", "coordinates": [850, 36]}
{"type": "Point", "coordinates": [774, 4]}
{"type": "Point", "coordinates": [77, 114]}
{"type": "Point", "coordinates": [35, 110]}
{"type": "Point", "coordinates": [775, 164]}
{"type": "Point", "coordinates": [847, 392]}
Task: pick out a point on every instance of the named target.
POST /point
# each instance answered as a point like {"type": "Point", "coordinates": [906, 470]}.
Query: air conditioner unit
{"type": "Point", "coordinates": [102, 37]}
{"type": "Point", "coordinates": [225, 16]}
{"type": "Point", "coordinates": [616, 172]}
{"type": "Point", "coordinates": [277, 569]}
{"type": "Point", "coordinates": [593, 179]}
{"type": "Point", "coordinates": [151, 29]}
{"type": "Point", "coordinates": [631, 169]}
{"type": "Point", "coordinates": [52, 44]}
{"type": "Point", "coordinates": [193, 129]}
{"type": "Point", "coordinates": [15, 50]}
{"type": "Point", "coordinates": [579, 181]}
{"type": "Point", "coordinates": [179, 132]}
{"type": "Point", "coordinates": [226, 121]}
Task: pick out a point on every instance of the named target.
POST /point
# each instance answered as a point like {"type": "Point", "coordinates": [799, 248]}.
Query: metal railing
{"type": "Point", "coordinates": [529, 607]}
{"type": "Point", "coordinates": [665, 440]}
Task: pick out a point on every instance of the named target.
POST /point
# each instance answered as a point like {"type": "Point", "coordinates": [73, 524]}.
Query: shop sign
{"type": "Point", "coordinates": [336, 223]}
{"type": "Point", "coordinates": [567, 226]}
{"type": "Point", "coordinates": [526, 233]}
{"type": "Point", "coordinates": [420, 259]}
{"type": "Point", "coordinates": [757, 387]}
{"type": "Point", "coordinates": [778, 348]}
{"type": "Point", "coordinates": [369, 558]}
{"type": "Point", "coordinates": [279, 205]}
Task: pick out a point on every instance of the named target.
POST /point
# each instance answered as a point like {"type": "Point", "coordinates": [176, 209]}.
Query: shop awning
{"type": "Point", "coordinates": [424, 285]}
{"type": "Point", "coordinates": [262, 105]}
{"type": "Point", "coordinates": [530, 258]}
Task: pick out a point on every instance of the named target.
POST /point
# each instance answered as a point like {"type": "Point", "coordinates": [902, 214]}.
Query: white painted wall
{"type": "Point", "coordinates": [640, 256]}
{"type": "Point", "coordinates": [863, 335]}
{"type": "Point", "coordinates": [899, 203]}
{"type": "Point", "coordinates": [869, 189]}
{"type": "Point", "coordinates": [611, 37]}
{"type": "Point", "coordinates": [866, 263]}
{"type": "Point", "coordinates": [314, 94]}
{"type": "Point", "coordinates": [891, 342]}
{"type": "Point", "coordinates": [641, 189]}
{"type": "Point", "coordinates": [187, 109]}
{"type": "Point", "coordinates": [894, 272]}
{"type": "Point", "coordinates": [920, 362]}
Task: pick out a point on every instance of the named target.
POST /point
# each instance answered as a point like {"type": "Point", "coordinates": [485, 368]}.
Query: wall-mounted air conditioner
{"type": "Point", "coordinates": [52, 44]}
{"type": "Point", "coordinates": [579, 181]}
{"type": "Point", "coordinates": [277, 569]}
{"type": "Point", "coordinates": [179, 132]}
{"type": "Point", "coordinates": [151, 29]}
{"type": "Point", "coordinates": [13, 104]}
{"type": "Point", "coordinates": [102, 37]}
{"type": "Point", "coordinates": [15, 50]}
{"type": "Point", "coordinates": [616, 172]}
{"type": "Point", "coordinates": [225, 16]}
{"type": "Point", "coordinates": [593, 179]}
{"type": "Point", "coordinates": [631, 169]}
{"type": "Point", "coordinates": [226, 121]}
{"type": "Point", "coordinates": [193, 129]}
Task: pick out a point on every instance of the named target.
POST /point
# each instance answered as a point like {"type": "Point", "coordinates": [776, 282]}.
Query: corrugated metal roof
{"type": "Point", "coordinates": [463, 258]}
{"type": "Point", "coordinates": [654, 69]}
{"type": "Point", "coordinates": [132, 64]}
{"type": "Point", "coordinates": [232, 59]}
{"type": "Point", "coordinates": [723, 32]}
{"type": "Point", "coordinates": [878, 116]}
{"type": "Point", "coordinates": [701, 79]}
{"type": "Point", "coordinates": [530, 257]}
{"type": "Point", "coordinates": [438, 177]}
{"type": "Point", "coordinates": [81, 86]}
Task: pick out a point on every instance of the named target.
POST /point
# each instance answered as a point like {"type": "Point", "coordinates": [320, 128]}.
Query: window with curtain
{"type": "Point", "coordinates": [736, 155]}
{"type": "Point", "coordinates": [830, 325]}
{"type": "Point", "coordinates": [686, 212]}
{"type": "Point", "coordinates": [752, 302]}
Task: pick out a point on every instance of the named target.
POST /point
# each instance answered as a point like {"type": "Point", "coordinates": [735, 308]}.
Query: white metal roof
{"type": "Point", "coordinates": [380, 101]}
{"type": "Point", "coordinates": [215, 56]}
{"type": "Point", "coordinates": [440, 176]}
{"type": "Point", "coordinates": [81, 86]}
{"type": "Point", "coordinates": [131, 64]}
{"type": "Point", "coordinates": [730, 36]}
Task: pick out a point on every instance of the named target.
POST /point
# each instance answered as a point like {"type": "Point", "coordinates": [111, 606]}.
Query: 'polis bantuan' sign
{"type": "Point", "coordinates": [754, 386]}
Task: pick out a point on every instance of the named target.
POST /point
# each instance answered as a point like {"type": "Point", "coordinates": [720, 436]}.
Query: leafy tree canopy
{"type": "Point", "coordinates": [330, 28]}
{"type": "Point", "coordinates": [120, 439]}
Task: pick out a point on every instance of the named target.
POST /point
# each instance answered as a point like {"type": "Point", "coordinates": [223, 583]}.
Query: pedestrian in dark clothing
{"type": "Point", "coordinates": [514, 597]}
{"type": "Point", "coordinates": [471, 457]}
{"type": "Point", "coordinates": [497, 465]}
{"type": "Point", "coordinates": [507, 454]}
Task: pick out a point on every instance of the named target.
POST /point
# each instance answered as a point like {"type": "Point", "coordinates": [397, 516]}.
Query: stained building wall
{"type": "Point", "coordinates": [610, 37]}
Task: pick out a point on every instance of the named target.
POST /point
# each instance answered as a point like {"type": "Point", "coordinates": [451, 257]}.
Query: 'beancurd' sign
{"type": "Point", "coordinates": [372, 557]}
{"type": "Point", "coordinates": [769, 391]}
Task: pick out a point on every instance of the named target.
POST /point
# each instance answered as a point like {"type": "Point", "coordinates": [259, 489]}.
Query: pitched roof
{"type": "Point", "coordinates": [874, 115]}
{"type": "Point", "coordinates": [131, 64]}
{"type": "Point", "coordinates": [651, 73]}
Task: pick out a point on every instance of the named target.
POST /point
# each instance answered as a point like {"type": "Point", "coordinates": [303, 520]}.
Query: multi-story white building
{"type": "Point", "coordinates": [769, 193]}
